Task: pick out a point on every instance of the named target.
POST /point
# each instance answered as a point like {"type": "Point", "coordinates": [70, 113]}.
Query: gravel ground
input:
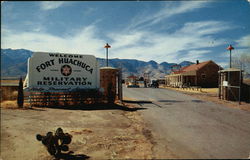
{"type": "Point", "coordinates": [110, 132]}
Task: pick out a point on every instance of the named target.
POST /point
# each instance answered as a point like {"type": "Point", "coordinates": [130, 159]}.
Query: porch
{"type": "Point", "coordinates": [181, 80]}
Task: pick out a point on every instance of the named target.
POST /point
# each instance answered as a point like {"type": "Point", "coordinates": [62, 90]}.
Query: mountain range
{"type": "Point", "coordinates": [14, 64]}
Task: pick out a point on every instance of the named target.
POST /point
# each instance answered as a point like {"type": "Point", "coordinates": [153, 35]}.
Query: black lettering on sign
{"type": "Point", "coordinates": [46, 78]}
{"type": "Point", "coordinates": [45, 65]}
{"type": "Point", "coordinates": [60, 60]}
{"type": "Point", "coordinates": [53, 55]}
{"type": "Point", "coordinates": [65, 55]}
{"type": "Point", "coordinates": [60, 83]}
{"type": "Point", "coordinates": [64, 81]}
{"type": "Point", "coordinates": [76, 63]}
{"type": "Point", "coordinates": [39, 83]}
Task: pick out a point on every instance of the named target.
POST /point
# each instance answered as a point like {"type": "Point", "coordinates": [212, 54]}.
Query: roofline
{"type": "Point", "coordinates": [231, 70]}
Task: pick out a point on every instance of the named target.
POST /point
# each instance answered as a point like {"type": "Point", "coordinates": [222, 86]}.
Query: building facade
{"type": "Point", "coordinates": [203, 74]}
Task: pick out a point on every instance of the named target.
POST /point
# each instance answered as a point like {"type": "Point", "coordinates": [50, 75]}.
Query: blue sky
{"type": "Point", "coordinates": [171, 31]}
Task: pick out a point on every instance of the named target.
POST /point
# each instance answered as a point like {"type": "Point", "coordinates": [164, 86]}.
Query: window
{"type": "Point", "coordinates": [203, 76]}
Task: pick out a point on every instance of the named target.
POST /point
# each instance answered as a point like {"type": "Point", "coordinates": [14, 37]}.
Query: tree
{"type": "Point", "coordinates": [141, 79]}
{"type": "Point", "coordinates": [20, 93]}
{"type": "Point", "coordinates": [242, 61]}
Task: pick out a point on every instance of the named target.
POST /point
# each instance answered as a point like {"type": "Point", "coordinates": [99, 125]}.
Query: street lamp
{"type": "Point", "coordinates": [230, 47]}
{"type": "Point", "coordinates": [107, 47]}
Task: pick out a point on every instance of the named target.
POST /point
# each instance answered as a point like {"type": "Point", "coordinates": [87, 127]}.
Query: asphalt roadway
{"type": "Point", "coordinates": [186, 127]}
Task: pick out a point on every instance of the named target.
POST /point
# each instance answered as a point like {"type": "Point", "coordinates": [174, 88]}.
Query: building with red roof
{"type": "Point", "coordinates": [131, 80]}
{"type": "Point", "coordinates": [203, 74]}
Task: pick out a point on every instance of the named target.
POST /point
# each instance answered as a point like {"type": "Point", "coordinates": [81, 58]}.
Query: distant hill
{"type": "Point", "coordinates": [14, 64]}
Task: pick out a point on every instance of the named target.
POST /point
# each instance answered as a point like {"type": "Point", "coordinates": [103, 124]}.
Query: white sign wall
{"type": "Point", "coordinates": [62, 72]}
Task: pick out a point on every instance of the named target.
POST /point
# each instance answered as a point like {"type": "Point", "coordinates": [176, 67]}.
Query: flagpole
{"type": "Point", "coordinates": [107, 47]}
{"type": "Point", "coordinates": [230, 48]}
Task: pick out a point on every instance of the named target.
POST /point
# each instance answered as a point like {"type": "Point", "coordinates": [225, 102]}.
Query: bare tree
{"type": "Point", "coordinates": [242, 61]}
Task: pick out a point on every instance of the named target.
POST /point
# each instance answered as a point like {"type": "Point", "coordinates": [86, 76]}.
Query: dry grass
{"type": "Point", "coordinates": [202, 90]}
{"type": "Point", "coordinates": [209, 90]}
{"type": "Point", "coordinates": [9, 81]}
{"type": "Point", "coordinates": [128, 99]}
{"type": "Point", "coordinates": [9, 104]}
{"type": "Point", "coordinates": [247, 81]}
{"type": "Point", "coordinates": [8, 93]}
{"type": "Point", "coordinates": [210, 94]}
{"type": "Point", "coordinates": [13, 105]}
{"type": "Point", "coordinates": [213, 98]}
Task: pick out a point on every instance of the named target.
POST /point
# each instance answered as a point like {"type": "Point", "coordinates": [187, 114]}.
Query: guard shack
{"type": "Point", "coordinates": [230, 83]}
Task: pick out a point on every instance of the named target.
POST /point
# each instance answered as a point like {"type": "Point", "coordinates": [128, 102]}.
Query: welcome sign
{"type": "Point", "coordinates": [62, 72]}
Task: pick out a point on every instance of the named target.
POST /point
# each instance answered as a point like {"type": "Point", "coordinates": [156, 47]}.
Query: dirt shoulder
{"type": "Point", "coordinates": [211, 95]}
{"type": "Point", "coordinates": [110, 132]}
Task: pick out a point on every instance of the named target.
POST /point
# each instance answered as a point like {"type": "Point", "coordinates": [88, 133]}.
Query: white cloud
{"type": "Point", "coordinates": [89, 11]}
{"type": "Point", "coordinates": [191, 42]}
{"type": "Point", "coordinates": [205, 27]}
{"type": "Point", "coordinates": [4, 29]}
{"type": "Point", "coordinates": [124, 40]}
{"type": "Point", "coordinates": [166, 12]}
{"type": "Point", "coordinates": [194, 55]}
{"type": "Point", "coordinates": [223, 64]}
{"type": "Point", "coordinates": [244, 41]}
{"type": "Point", "coordinates": [188, 43]}
{"type": "Point", "coordinates": [46, 5]}
{"type": "Point", "coordinates": [82, 43]}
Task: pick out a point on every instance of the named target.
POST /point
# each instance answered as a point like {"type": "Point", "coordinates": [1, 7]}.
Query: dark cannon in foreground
{"type": "Point", "coordinates": [55, 143]}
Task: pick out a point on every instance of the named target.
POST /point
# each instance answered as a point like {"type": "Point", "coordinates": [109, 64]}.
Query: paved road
{"type": "Point", "coordinates": [186, 127]}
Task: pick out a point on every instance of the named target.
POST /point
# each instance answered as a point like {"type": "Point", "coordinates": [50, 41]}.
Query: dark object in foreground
{"type": "Point", "coordinates": [20, 97]}
{"type": "Point", "coordinates": [55, 143]}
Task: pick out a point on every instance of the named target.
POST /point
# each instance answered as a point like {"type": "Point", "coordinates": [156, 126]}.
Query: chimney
{"type": "Point", "coordinates": [197, 62]}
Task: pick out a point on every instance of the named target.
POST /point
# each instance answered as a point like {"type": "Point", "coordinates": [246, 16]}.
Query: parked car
{"type": "Point", "coordinates": [154, 84]}
{"type": "Point", "coordinates": [133, 86]}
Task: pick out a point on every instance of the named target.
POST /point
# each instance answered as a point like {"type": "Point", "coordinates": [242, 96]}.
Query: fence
{"type": "Point", "coordinates": [110, 84]}
{"type": "Point", "coordinates": [63, 98]}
